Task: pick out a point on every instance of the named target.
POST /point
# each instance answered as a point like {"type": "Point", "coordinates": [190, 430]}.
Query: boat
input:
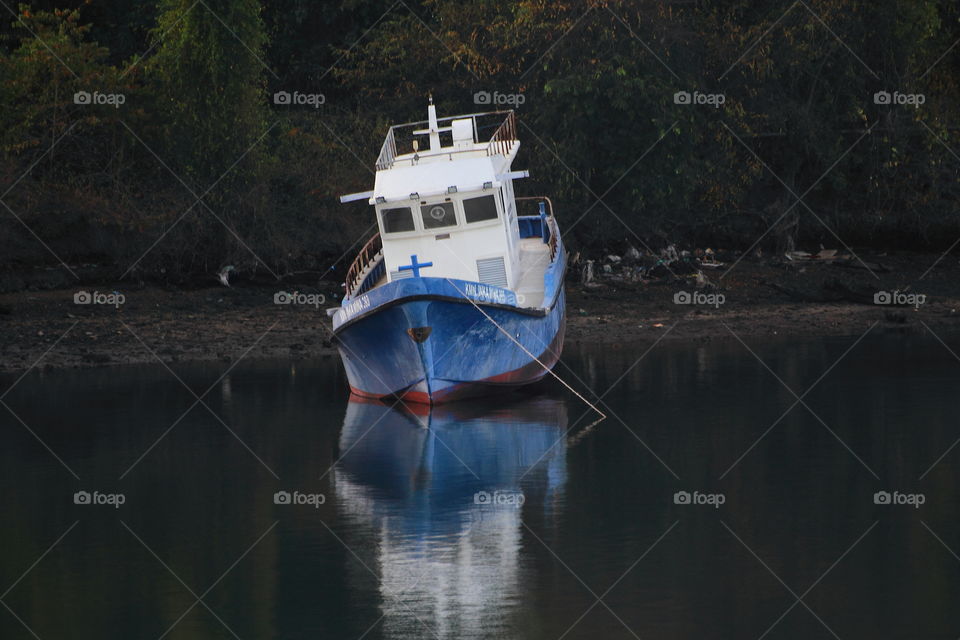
{"type": "Point", "coordinates": [458, 294]}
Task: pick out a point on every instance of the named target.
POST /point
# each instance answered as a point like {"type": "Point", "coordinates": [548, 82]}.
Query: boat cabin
{"type": "Point", "coordinates": [445, 204]}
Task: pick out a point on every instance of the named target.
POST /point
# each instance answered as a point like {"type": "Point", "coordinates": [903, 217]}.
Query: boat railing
{"type": "Point", "coordinates": [504, 137]}
{"type": "Point", "coordinates": [554, 237]}
{"type": "Point", "coordinates": [503, 124]}
{"type": "Point", "coordinates": [388, 152]}
{"type": "Point", "coordinates": [362, 266]}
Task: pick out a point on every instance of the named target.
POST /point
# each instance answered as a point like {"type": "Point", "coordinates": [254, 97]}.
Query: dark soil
{"type": "Point", "coordinates": [765, 298]}
{"type": "Point", "coordinates": [762, 298]}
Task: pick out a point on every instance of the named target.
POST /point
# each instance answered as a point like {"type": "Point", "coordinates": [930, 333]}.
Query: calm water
{"type": "Point", "coordinates": [483, 520]}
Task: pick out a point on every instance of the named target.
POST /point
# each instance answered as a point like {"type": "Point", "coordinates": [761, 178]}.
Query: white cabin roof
{"type": "Point", "coordinates": [434, 177]}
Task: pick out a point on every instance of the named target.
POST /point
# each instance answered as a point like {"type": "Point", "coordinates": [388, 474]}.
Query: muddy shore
{"type": "Point", "coordinates": [760, 298]}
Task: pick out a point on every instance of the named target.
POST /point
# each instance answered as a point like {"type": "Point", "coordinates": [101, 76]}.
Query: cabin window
{"type": "Point", "coordinates": [437, 215]}
{"type": "Point", "coordinates": [397, 220]}
{"type": "Point", "coordinates": [480, 209]}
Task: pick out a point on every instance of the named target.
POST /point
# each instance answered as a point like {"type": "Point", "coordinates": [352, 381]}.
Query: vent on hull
{"type": "Point", "coordinates": [492, 271]}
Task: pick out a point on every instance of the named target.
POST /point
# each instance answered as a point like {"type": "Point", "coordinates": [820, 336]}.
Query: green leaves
{"type": "Point", "coordinates": [604, 113]}
{"type": "Point", "coordinates": [208, 80]}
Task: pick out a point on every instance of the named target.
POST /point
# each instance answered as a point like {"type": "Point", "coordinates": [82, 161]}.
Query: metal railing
{"type": "Point", "coordinates": [504, 124]}
{"type": "Point", "coordinates": [537, 198]}
{"type": "Point", "coordinates": [504, 137]}
{"type": "Point", "coordinates": [367, 255]}
{"type": "Point", "coordinates": [388, 152]}
{"type": "Point", "coordinates": [554, 234]}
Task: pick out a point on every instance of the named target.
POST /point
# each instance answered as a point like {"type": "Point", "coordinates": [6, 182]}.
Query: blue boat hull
{"type": "Point", "coordinates": [423, 340]}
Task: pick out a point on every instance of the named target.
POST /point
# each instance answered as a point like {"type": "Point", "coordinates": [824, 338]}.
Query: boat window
{"type": "Point", "coordinates": [439, 214]}
{"type": "Point", "coordinates": [397, 219]}
{"type": "Point", "coordinates": [479, 209]}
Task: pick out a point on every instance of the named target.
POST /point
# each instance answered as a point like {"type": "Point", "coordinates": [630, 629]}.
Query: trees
{"type": "Point", "coordinates": [208, 91]}
{"type": "Point", "coordinates": [599, 80]}
{"type": "Point", "coordinates": [207, 81]}
{"type": "Point", "coordinates": [599, 118]}
{"type": "Point", "coordinates": [58, 143]}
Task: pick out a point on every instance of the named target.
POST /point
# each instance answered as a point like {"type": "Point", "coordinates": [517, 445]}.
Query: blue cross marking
{"type": "Point", "coordinates": [415, 266]}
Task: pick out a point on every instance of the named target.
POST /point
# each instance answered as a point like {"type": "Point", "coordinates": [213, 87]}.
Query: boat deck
{"type": "Point", "coordinates": [534, 260]}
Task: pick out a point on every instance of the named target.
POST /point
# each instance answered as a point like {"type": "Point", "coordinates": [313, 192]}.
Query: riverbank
{"type": "Point", "coordinates": [756, 299]}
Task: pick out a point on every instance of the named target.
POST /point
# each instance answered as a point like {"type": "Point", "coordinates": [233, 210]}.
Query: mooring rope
{"type": "Point", "coordinates": [535, 358]}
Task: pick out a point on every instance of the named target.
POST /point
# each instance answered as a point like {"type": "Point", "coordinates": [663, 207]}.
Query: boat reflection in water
{"type": "Point", "coordinates": [442, 493]}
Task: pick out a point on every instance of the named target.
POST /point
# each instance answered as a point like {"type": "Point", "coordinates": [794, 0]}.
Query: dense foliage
{"type": "Point", "coordinates": [787, 101]}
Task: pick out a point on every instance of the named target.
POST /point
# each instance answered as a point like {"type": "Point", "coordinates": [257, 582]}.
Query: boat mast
{"type": "Point", "coordinates": [433, 128]}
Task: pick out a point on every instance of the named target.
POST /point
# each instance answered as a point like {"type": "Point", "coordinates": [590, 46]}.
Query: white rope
{"type": "Point", "coordinates": [535, 359]}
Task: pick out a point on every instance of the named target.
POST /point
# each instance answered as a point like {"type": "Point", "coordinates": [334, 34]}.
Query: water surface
{"type": "Point", "coordinates": [507, 518]}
